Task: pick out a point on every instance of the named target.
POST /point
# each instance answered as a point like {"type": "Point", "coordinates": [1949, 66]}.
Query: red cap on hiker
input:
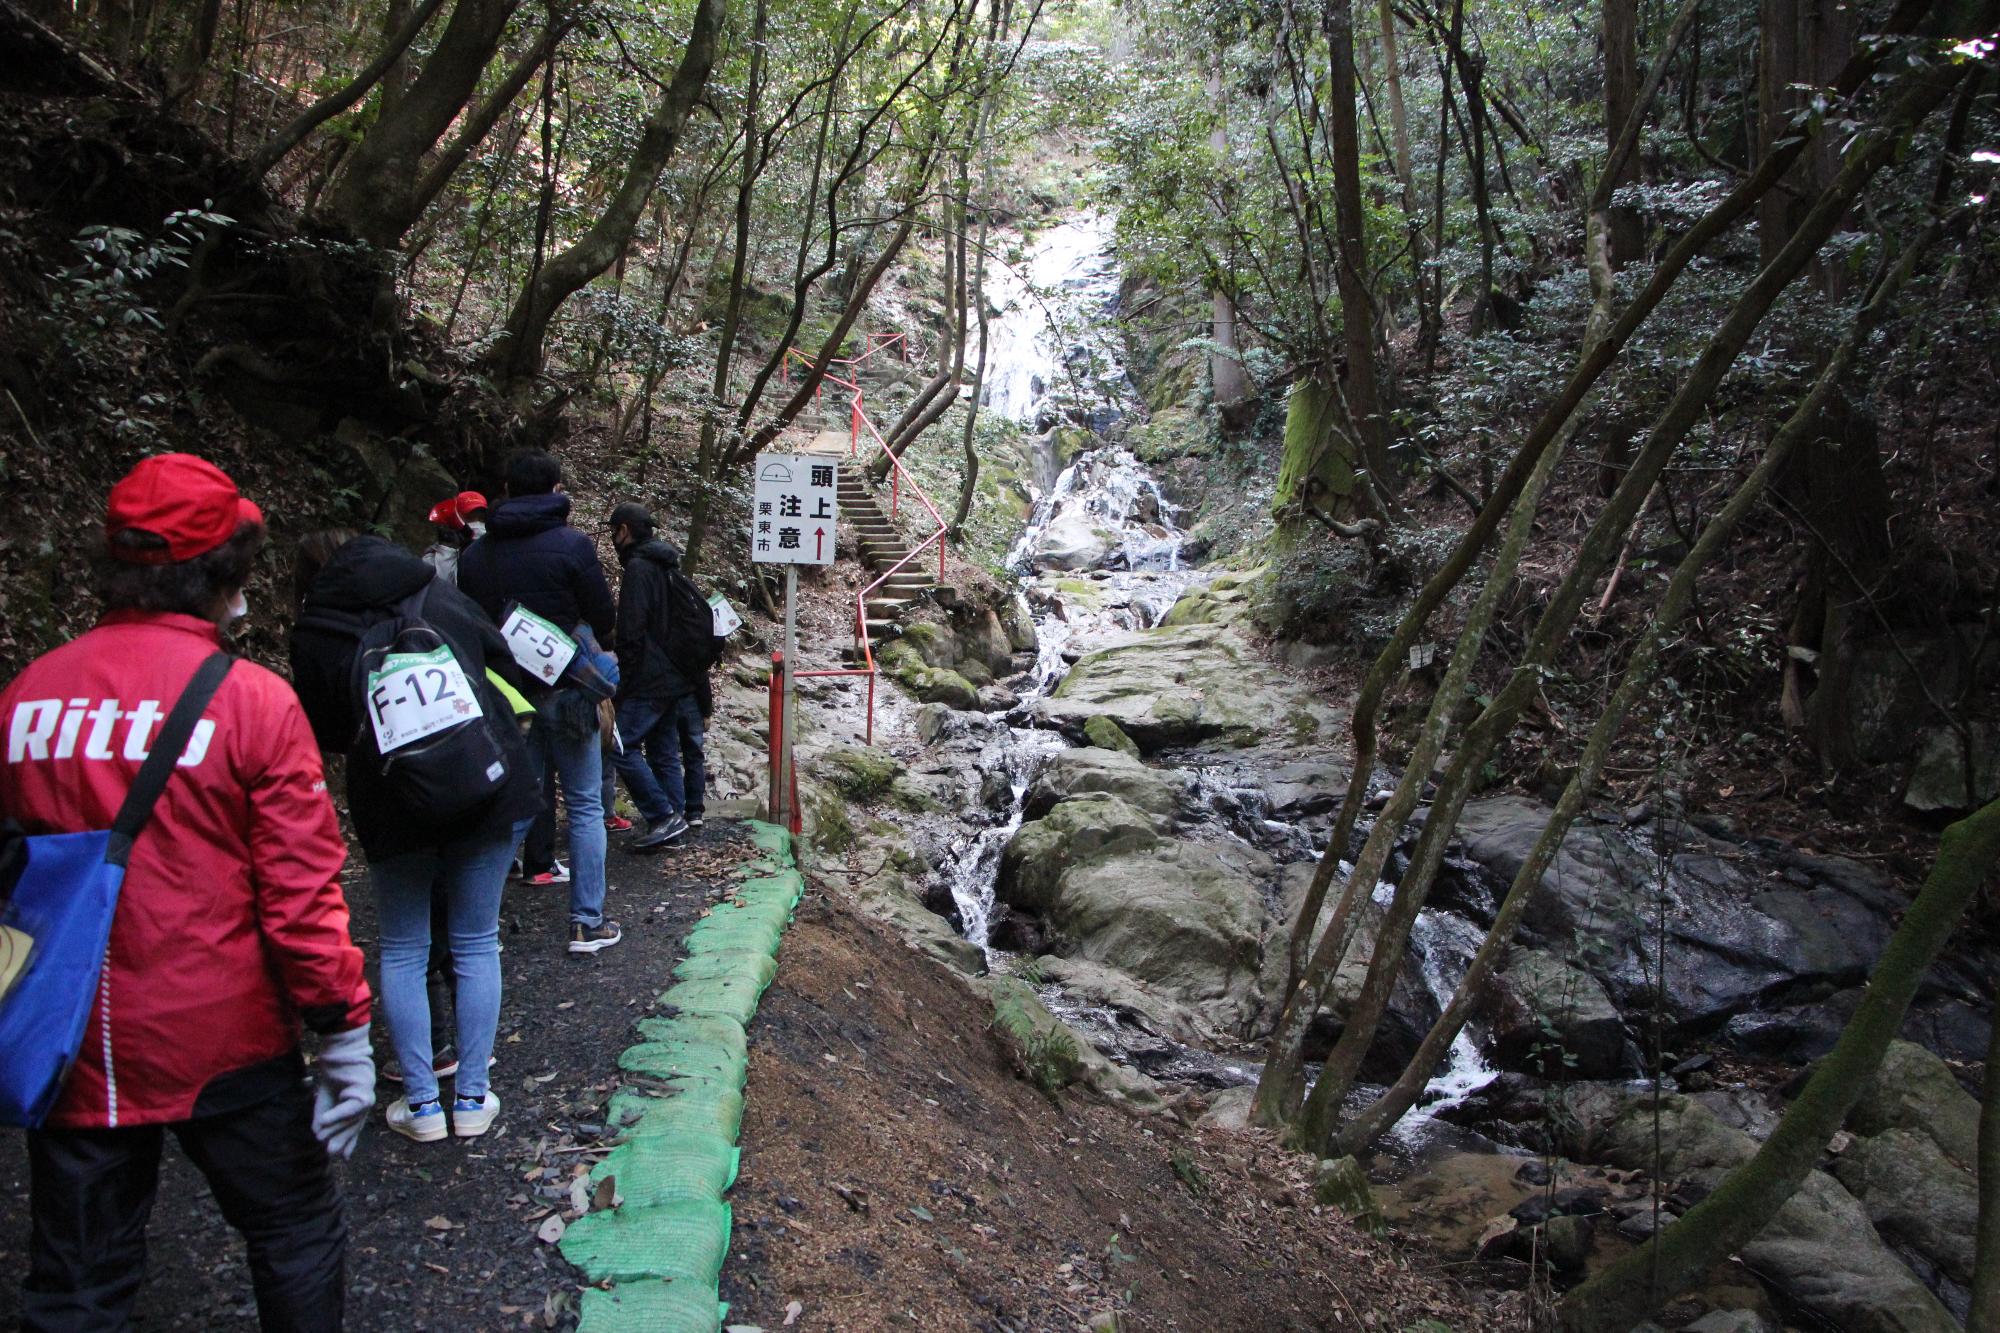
{"type": "Point", "coordinates": [455, 512]}
{"type": "Point", "coordinates": [188, 503]}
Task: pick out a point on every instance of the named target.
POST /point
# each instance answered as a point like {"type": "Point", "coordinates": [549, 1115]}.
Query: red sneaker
{"type": "Point", "coordinates": [617, 824]}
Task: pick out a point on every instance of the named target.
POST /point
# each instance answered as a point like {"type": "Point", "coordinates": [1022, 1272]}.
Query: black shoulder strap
{"type": "Point", "coordinates": [166, 754]}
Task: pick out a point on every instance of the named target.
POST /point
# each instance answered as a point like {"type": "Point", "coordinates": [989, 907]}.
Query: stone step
{"type": "Point", "coordinates": [881, 630]}
{"type": "Point", "coordinates": [909, 579]}
{"type": "Point", "coordinates": [888, 606]}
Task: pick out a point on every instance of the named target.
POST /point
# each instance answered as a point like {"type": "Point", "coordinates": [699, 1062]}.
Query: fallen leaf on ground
{"type": "Point", "coordinates": [439, 1223]}
{"type": "Point", "coordinates": [793, 1311]}
{"type": "Point", "coordinates": [551, 1230]}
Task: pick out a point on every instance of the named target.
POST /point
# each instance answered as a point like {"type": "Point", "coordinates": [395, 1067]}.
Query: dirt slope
{"type": "Point", "coordinates": [897, 1173]}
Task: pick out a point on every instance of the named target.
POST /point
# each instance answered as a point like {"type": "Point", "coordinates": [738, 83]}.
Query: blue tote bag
{"type": "Point", "coordinates": [58, 893]}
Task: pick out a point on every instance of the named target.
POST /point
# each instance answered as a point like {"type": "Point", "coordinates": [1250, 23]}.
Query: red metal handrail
{"type": "Point", "coordinates": [857, 418]}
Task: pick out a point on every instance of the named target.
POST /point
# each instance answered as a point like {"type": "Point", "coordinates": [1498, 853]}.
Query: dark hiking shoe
{"type": "Point", "coordinates": [589, 939]}
{"type": "Point", "coordinates": [659, 835]}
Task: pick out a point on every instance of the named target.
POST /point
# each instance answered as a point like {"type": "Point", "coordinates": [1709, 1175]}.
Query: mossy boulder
{"type": "Point", "coordinates": [935, 644]}
{"type": "Point", "coordinates": [1158, 792]}
{"type": "Point", "coordinates": [931, 685]}
{"type": "Point", "coordinates": [859, 772]}
{"type": "Point", "coordinates": [1105, 734]}
{"type": "Point", "coordinates": [1176, 432]}
{"type": "Point", "coordinates": [1222, 600]}
{"type": "Point", "coordinates": [1340, 1182]}
{"type": "Point", "coordinates": [1913, 1089]}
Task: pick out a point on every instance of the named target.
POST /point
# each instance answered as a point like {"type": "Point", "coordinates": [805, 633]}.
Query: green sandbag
{"type": "Point", "coordinates": [675, 1060]}
{"type": "Point", "coordinates": [693, 1107]}
{"type": "Point", "coordinates": [751, 934]}
{"type": "Point", "coordinates": [652, 1307]}
{"type": "Point", "coordinates": [665, 1167]}
{"type": "Point", "coordinates": [735, 962]}
{"type": "Point", "coordinates": [770, 839]}
{"type": "Point", "coordinates": [733, 997]}
{"type": "Point", "coordinates": [686, 1239]}
{"type": "Point", "coordinates": [711, 1028]}
{"type": "Point", "coordinates": [787, 887]}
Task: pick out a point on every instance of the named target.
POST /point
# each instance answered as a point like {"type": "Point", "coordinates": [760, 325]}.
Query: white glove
{"type": "Point", "coordinates": [344, 1091]}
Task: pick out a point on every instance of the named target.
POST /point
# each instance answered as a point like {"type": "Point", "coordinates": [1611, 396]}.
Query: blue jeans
{"type": "Point", "coordinates": [662, 763]}
{"type": "Point", "coordinates": [577, 763]}
{"type": "Point", "coordinates": [473, 872]}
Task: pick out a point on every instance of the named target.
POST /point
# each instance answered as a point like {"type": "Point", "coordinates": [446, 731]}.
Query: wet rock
{"type": "Point", "coordinates": [937, 899]}
{"type": "Point", "coordinates": [1015, 932]}
{"type": "Point", "coordinates": [1304, 789]}
{"type": "Point", "coordinates": [1925, 1205]}
{"type": "Point", "coordinates": [1019, 622]}
{"type": "Point", "coordinates": [1733, 940]}
{"type": "Point", "coordinates": [1074, 540]}
{"type": "Point", "coordinates": [996, 789]}
{"type": "Point", "coordinates": [1914, 1090]}
{"type": "Point", "coordinates": [858, 772]}
{"type": "Point", "coordinates": [1183, 686]}
{"type": "Point", "coordinates": [1159, 792]}
{"type": "Point", "coordinates": [1053, 1056]}
{"type": "Point", "coordinates": [1548, 1016]}
{"type": "Point", "coordinates": [983, 639]}
{"type": "Point", "coordinates": [1098, 986]}
{"type": "Point", "coordinates": [1105, 734]}
{"type": "Point", "coordinates": [931, 722]}
{"type": "Point", "coordinates": [1184, 919]}
{"type": "Point", "coordinates": [1795, 1034]}
{"type": "Point", "coordinates": [997, 699]}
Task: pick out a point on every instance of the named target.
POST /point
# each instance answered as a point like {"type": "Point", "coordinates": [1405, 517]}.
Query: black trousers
{"type": "Point", "coordinates": [93, 1190]}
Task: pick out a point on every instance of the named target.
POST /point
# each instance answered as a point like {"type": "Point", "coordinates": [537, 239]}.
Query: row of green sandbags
{"type": "Point", "coordinates": [660, 1250]}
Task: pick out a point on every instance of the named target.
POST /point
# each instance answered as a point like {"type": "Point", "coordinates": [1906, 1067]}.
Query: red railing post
{"type": "Point", "coordinates": [774, 805]}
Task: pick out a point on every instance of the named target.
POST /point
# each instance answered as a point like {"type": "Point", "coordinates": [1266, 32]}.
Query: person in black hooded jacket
{"type": "Point", "coordinates": [532, 557]}
{"type": "Point", "coordinates": [359, 582]}
{"type": "Point", "coordinates": [660, 709]}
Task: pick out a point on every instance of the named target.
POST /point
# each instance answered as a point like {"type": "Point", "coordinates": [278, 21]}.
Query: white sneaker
{"type": "Point", "coordinates": [424, 1124]}
{"type": "Point", "coordinates": [470, 1119]}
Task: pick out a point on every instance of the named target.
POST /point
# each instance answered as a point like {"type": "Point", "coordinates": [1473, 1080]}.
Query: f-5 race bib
{"type": "Point", "coordinates": [541, 649]}
{"type": "Point", "coordinates": [414, 695]}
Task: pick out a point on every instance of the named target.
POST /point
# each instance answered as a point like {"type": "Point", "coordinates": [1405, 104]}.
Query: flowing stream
{"type": "Point", "coordinates": [1054, 366]}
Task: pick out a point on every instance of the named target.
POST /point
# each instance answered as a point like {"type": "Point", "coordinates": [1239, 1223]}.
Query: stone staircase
{"type": "Point", "coordinates": [882, 545]}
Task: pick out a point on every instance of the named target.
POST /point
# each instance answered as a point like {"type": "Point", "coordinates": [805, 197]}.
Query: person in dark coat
{"type": "Point", "coordinates": [359, 582]}
{"type": "Point", "coordinates": [532, 557]}
{"type": "Point", "coordinates": [660, 709]}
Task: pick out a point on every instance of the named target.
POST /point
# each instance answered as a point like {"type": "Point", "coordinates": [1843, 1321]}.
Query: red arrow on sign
{"type": "Point", "coordinates": [819, 541]}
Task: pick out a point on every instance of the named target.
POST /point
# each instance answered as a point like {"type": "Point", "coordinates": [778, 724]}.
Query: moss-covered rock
{"type": "Point", "coordinates": [930, 684]}
{"type": "Point", "coordinates": [1105, 734]}
{"type": "Point", "coordinates": [859, 772]}
{"type": "Point", "coordinates": [1177, 432]}
{"type": "Point", "coordinates": [1341, 1183]}
{"type": "Point", "coordinates": [937, 645]}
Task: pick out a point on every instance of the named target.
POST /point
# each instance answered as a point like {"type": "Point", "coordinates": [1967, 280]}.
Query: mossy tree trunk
{"type": "Point", "coordinates": [1985, 1313]}
{"type": "Point", "coordinates": [1751, 1195]}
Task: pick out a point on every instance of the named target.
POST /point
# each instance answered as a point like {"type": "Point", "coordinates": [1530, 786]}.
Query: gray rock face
{"type": "Point", "coordinates": [1937, 780]}
{"type": "Point", "coordinates": [1158, 792]}
{"type": "Point", "coordinates": [1305, 789]}
{"type": "Point", "coordinates": [1915, 1091]}
{"type": "Point", "coordinates": [1547, 1015]}
{"type": "Point", "coordinates": [1184, 919]}
{"type": "Point", "coordinates": [1073, 541]}
{"type": "Point", "coordinates": [1184, 686]}
{"type": "Point", "coordinates": [1820, 1254]}
{"type": "Point", "coordinates": [1922, 1203]}
{"type": "Point", "coordinates": [1734, 942]}
{"type": "Point", "coordinates": [984, 640]}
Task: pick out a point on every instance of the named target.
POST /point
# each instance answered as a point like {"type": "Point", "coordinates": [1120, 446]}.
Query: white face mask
{"type": "Point", "coordinates": [477, 529]}
{"type": "Point", "coordinates": [239, 607]}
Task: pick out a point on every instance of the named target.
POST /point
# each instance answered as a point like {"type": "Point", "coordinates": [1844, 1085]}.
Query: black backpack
{"type": "Point", "coordinates": [456, 764]}
{"type": "Point", "coordinates": [692, 644]}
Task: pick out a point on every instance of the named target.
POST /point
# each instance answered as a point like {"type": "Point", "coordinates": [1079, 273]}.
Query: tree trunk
{"type": "Point", "coordinates": [519, 353]}
{"type": "Point", "coordinates": [1229, 385]}
{"type": "Point", "coordinates": [1750, 1196]}
{"type": "Point", "coordinates": [1621, 103]}
{"type": "Point", "coordinates": [373, 198]}
{"type": "Point", "coordinates": [1357, 304]}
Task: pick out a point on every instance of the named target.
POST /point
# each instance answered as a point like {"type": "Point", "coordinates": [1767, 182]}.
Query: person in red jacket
{"type": "Point", "coordinates": [231, 931]}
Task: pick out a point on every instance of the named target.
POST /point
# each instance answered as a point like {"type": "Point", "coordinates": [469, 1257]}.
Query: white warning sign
{"type": "Point", "coordinates": [793, 510]}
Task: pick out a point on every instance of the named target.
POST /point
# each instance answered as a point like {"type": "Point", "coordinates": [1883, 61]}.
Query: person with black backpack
{"type": "Point", "coordinates": [666, 647]}
{"type": "Point", "coordinates": [392, 664]}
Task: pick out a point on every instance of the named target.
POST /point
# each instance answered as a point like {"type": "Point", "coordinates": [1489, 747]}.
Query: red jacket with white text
{"type": "Point", "coordinates": [231, 927]}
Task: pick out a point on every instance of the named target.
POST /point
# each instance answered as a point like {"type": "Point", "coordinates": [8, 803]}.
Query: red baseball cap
{"type": "Point", "coordinates": [188, 502]}
{"type": "Point", "coordinates": [454, 512]}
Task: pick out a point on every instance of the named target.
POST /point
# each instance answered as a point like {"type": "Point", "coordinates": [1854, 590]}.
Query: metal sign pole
{"type": "Point", "coordinates": [786, 779]}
